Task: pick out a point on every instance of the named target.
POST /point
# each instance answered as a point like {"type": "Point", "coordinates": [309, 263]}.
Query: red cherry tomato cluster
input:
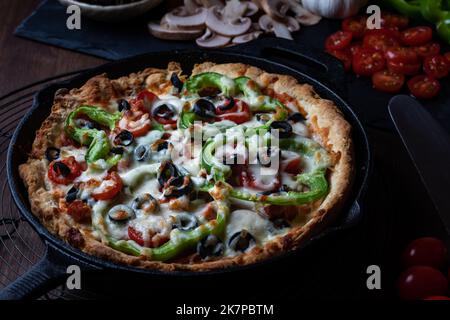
{"type": "Point", "coordinates": [424, 259]}
{"type": "Point", "coordinates": [390, 54]}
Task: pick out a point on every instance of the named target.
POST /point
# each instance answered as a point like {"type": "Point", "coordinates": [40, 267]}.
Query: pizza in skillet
{"type": "Point", "coordinates": [228, 166]}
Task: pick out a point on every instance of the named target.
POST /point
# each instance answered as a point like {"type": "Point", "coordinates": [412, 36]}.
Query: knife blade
{"type": "Point", "coordinates": [428, 145]}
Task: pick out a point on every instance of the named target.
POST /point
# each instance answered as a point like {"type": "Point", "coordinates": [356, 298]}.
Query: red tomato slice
{"type": "Point", "coordinates": [419, 282]}
{"type": "Point", "coordinates": [409, 69]}
{"type": "Point", "coordinates": [293, 166]}
{"type": "Point", "coordinates": [402, 54]}
{"type": "Point", "coordinates": [243, 113]}
{"type": "Point", "coordinates": [425, 251]}
{"type": "Point", "coordinates": [344, 56]}
{"type": "Point", "coordinates": [424, 87]}
{"type": "Point", "coordinates": [436, 66]}
{"type": "Point", "coordinates": [393, 20]}
{"type": "Point", "coordinates": [388, 81]}
{"type": "Point", "coordinates": [417, 36]}
{"type": "Point", "coordinates": [380, 40]}
{"type": "Point", "coordinates": [113, 185]}
{"type": "Point", "coordinates": [136, 236]}
{"type": "Point", "coordinates": [79, 211]}
{"type": "Point", "coordinates": [355, 25]}
{"type": "Point", "coordinates": [367, 62]}
{"type": "Point", "coordinates": [429, 49]}
{"type": "Point", "coordinates": [338, 41]}
{"type": "Point", "coordinates": [147, 97]}
{"type": "Point", "coordinates": [56, 174]}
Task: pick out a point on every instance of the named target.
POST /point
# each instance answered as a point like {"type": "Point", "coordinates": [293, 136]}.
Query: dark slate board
{"type": "Point", "coordinates": [116, 41]}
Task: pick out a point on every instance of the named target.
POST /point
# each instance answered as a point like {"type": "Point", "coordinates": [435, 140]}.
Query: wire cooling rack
{"type": "Point", "coordinates": [20, 245]}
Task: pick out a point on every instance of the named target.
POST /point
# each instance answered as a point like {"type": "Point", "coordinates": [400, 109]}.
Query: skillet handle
{"type": "Point", "coordinates": [44, 276]}
{"type": "Point", "coordinates": [320, 65]}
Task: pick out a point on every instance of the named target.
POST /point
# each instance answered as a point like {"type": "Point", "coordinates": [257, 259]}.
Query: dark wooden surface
{"type": "Point", "coordinates": [396, 210]}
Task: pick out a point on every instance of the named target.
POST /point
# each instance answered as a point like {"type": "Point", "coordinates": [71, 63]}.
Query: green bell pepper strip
{"type": "Point", "coordinates": [201, 81]}
{"type": "Point", "coordinates": [443, 28]}
{"type": "Point", "coordinates": [259, 102]}
{"type": "Point", "coordinates": [410, 8]}
{"type": "Point", "coordinates": [187, 119]}
{"type": "Point", "coordinates": [98, 142]}
{"type": "Point", "coordinates": [212, 165]}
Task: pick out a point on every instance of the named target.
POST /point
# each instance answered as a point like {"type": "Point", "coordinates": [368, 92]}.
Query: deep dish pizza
{"type": "Point", "coordinates": [227, 166]}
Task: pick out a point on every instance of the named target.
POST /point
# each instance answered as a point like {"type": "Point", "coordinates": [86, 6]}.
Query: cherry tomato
{"type": "Point", "coordinates": [338, 40]}
{"type": "Point", "coordinates": [447, 56]}
{"type": "Point", "coordinates": [394, 20]}
{"type": "Point", "coordinates": [388, 81]}
{"type": "Point", "coordinates": [367, 62]}
{"type": "Point", "coordinates": [418, 282]}
{"type": "Point", "coordinates": [409, 69]}
{"type": "Point", "coordinates": [135, 235]}
{"type": "Point", "coordinates": [293, 166]}
{"type": "Point", "coordinates": [64, 171]}
{"type": "Point", "coordinates": [79, 211]}
{"type": "Point", "coordinates": [417, 36]}
{"type": "Point", "coordinates": [355, 25]}
{"type": "Point", "coordinates": [443, 298]}
{"type": "Point", "coordinates": [402, 54]}
{"type": "Point", "coordinates": [239, 115]}
{"type": "Point", "coordinates": [344, 56]}
{"type": "Point", "coordinates": [379, 40]}
{"type": "Point", "coordinates": [425, 251]}
{"type": "Point", "coordinates": [355, 48]}
{"type": "Point", "coordinates": [429, 49]}
{"type": "Point", "coordinates": [113, 185]}
{"type": "Point", "coordinates": [424, 87]}
{"type": "Point", "coordinates": [436, 66]}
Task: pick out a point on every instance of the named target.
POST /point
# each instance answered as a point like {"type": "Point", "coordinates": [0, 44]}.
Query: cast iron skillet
{"type": "Point", "coordinates": [315, 68]}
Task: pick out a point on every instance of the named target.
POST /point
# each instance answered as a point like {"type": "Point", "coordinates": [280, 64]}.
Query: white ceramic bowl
{"type": "Point", "coordinates": [113, 13]}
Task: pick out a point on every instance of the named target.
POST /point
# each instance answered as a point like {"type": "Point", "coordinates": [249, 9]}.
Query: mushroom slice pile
{"type": "Point", "coordinates": [217, 23]}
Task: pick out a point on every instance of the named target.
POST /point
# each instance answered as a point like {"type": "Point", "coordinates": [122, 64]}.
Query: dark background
{"type": "Point", "coordinates": [396, 208]}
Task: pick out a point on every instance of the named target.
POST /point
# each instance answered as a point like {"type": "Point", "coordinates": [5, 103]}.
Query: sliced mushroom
{"type": "Point", "coordinates": [302, 15]}
{"type": "Point", "coordinates": [276, 9]}
{"type": "Point", "coordinates": [167, 33]}
{"type": "Point", "coordinates": [183, 19]}
{"type": "Point", "coordinates": [212, 40]}
{"type": "Point", "coordinates": [281, 29]}
{"type": "Point", "coordinates": [217, 22]}
{"type": "Point", "coordinates": [247, 37]}
{"type": "Point", "coordinates": [236, 9]}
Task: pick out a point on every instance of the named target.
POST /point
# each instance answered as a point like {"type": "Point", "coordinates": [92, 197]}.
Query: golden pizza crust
{"type": "Point", "coordinates": [326, 121]}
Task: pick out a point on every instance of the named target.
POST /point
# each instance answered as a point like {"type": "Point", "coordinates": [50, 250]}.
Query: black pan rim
{"type": "Point", "coordinates": [65, 248]}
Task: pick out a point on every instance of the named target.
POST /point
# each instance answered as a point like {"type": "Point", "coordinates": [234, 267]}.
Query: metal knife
{"type": "Point", "coordinates": [428, 145]}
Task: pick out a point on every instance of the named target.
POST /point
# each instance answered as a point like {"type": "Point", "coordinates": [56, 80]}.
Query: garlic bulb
{"type": "Point", "coordinates": [335, 9]}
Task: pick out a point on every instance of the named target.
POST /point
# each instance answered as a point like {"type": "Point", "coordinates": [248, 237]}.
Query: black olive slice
{"type": "Point", "coordinates": [204, 108]}
{"type": "Point", "coordinates": [123, 105]}
{"type": "Point", "coordinates": [145, 202]}
{"type": "Point", "coordinates": [229, 103]}
{"type": "Point", "coordinates": [241, 241]}
{"type": "Point", "coordinates": [285, 129]}
{"type": "Point", "coordinates": [164, 111]}
{"type": "Point", "coordinates": [121, 213]}
{"type": "Point", "coordinates": [263, 117]}
{"type": "Point", "coordinates": [281, 223]}
{"type": "Point", "coordinates": [72, 194]}
{"type": "Point", "coordinates": [211, 246]}
{"type": "Point", "coordinates": [61, 168]}
{"type": "Point", "coordinates": [142, 152]}
{"type": "Point", "coordinates": [296, 117]}
{"type": "Point", "coordinates": [176, 82]}
{"type": "Point", "coordinates": [178, 186]}
{"type": "Point", "coordinates": [52, 153]}
{"type": "Point", "coordinates": [167, 170]}
{"type": "Point", "coordinates": [185, 222]}
{"type": "Point", "coordinates": [124, 138]}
